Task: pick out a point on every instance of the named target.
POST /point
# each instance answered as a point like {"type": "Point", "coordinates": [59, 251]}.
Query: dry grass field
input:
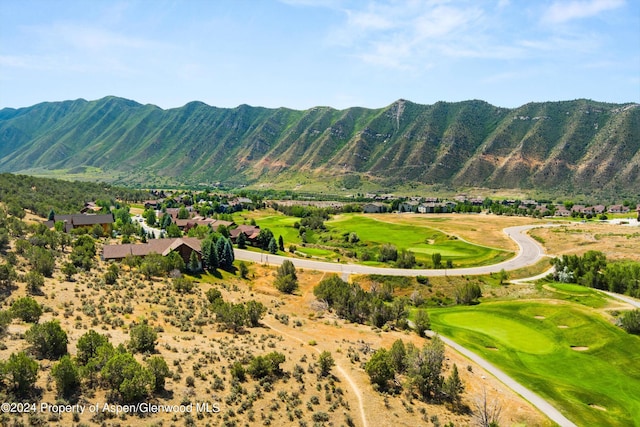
{"type": "Point", "coordinates": [199, 356]}
{"type": "Point", "coordinates": [480, 229]}
{"type": "Point", "coordinates": [617, 242]}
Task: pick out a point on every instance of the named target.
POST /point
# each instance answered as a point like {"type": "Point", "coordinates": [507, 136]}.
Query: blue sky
{"type": "Point", "coordinates": [305, 53]}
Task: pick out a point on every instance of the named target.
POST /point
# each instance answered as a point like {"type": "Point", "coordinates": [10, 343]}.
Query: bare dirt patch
{"type": "Point", "coordinates": [563, 327]}
{"type": "Point", "coordinates": [598, 407]}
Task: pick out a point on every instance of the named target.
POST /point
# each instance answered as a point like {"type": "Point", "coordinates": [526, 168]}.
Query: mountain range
{"type": "Point", "coordinates": [580, 146]}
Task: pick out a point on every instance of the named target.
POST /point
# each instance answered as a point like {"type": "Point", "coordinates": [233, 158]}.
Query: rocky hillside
{"type": "Point", "coordinates": [580, 145]}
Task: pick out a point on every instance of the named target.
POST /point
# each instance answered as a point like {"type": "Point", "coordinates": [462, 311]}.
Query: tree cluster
{"type": "Point", "coordinates": [419, 371]}
{"type": "Point", "coordinates": [594, 271]}
{"type": "Point", "coordinates": [235, 317]}
{"type": "Point", "coordinates": [351, 302]}
{"type": "Point", "coordinates": [39, 195]}
{"type": "Point", "coordinates": [217, 252]}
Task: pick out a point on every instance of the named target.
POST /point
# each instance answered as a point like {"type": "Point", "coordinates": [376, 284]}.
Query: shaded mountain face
{"type": "Point", "coordinates": [580, 145]}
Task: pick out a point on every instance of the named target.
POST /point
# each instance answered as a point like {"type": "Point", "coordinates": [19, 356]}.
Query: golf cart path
{"type": "Point", "coordinates": [529, 253]}
{"type": "Point", "coordinates": [537, 401]}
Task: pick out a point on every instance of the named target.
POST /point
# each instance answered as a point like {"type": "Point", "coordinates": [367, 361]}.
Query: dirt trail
{"type": "Point", "coordinates": [339, 368]}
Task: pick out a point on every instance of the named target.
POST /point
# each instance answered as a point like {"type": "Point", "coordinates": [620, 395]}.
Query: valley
{"type": "Point", "coordinates": [525, 329]}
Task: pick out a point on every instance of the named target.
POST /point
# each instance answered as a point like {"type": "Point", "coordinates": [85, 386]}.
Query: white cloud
{"type": "Point", "coordinates": [409, 34]}
{"type": "Point", "coordinates": [85, 37]}
{"type": "Point", "coordinates": [564, 11]}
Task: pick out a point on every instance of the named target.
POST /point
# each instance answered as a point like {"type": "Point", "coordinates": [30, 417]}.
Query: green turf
{"type": "Point", "coordinates": [423, 241]}
{"type": "Point", "coordinates": [534, 343]}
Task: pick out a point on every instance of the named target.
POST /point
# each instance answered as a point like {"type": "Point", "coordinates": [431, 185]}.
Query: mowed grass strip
{"type": "Point", "coordinates": [569, 354]}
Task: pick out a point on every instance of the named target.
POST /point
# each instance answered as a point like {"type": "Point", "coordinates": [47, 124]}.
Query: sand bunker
{"type": "Point", "coordinates": [598, 407]}
{"type": "Point", "coordinates": [492, 348]}
{"type": "Point", "coordinates": [579, 348]}
{"type": "Point", "coordinates": [562, 326]}
{"type": "Point", "coordinates": [539, 317]}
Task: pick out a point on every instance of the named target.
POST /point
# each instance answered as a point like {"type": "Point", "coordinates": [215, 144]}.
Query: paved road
{"type": "Point", "coordinates": [529, 252]}
{"type": "Point", "coordinates": [634, 302]}
{"type": "Point", "coordinates": [537, 401]}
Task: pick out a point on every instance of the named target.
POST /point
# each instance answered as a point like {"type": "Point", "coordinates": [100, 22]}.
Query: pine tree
{"type": "Point", "coordinates": [241, 241]}
{"type": "Point", "coordinates": [273, 246]}
{"type": "Point", "coordinates": [281, 243]}
{"type": "Point", "coordinates": [194, 263]}
{"type": "Point", "coordinates": [229, 255]}
{"type": "Point", "coordinates": [453, 387]}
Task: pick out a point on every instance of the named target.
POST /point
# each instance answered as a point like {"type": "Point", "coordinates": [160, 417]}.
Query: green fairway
{"type": "Point", "coordinates": [423, 241]}
{"type": "Point", "coordinates": [569, 354]}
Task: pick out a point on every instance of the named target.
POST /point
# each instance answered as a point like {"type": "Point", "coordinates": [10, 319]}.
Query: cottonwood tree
{"type": "Point", "coordinates": [380, 369]}
{"type": "Point", "coordinates": [424, 368]}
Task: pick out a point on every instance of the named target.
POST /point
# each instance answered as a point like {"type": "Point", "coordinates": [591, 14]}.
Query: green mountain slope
{"type": "Point", "coordinates": [580, 145]}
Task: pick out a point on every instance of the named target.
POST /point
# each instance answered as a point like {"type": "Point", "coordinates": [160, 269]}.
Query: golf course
{"type": "Point", "coordinates": [562, 348]}
{"type": "Point", "coordinates": [414, 236]}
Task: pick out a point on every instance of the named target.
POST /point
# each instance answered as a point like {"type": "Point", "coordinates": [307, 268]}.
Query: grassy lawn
{"type": "Point", "coordinates": [566, 352]}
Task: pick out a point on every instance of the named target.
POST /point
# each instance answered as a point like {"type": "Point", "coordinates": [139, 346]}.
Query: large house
{"type": "Point", "coordinates": [182, 245]}
{"type": "Point", "coordinates": [618, 209]}
{"type": "Point", "coordinates": [375, 207]}
{"type": "Point", "coordinates": [88, 221]}
{"type": "Point", "coordinates": [251, 232]}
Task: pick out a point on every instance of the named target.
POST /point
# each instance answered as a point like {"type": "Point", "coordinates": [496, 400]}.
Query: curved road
{"type": "Point", "coordinates": [529, 252]}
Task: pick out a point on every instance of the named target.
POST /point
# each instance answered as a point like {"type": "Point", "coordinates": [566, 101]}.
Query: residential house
{"type": "Point", "coordinates": [90, 207]}
{"type": "Point", "coordinates": [153, 204]}
{"type": "Point", "coordinates": [409, 206]}
{"type": "Point", "coordinates": [182, 245]}
{"type": "Point", "coordinates": [87, 221]}
{"type": "Point", "coordinates": [375, 207]}
{"type": "Point", "coordinates": [618, 209]}
{"type": "Point", "coordinates": [250, 231]}
{"type": "Point", "coordinates": [562, 211]}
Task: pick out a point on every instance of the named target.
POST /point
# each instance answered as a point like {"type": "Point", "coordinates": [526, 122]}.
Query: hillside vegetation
{"type": "Point", "coordinates": [579, 146]}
